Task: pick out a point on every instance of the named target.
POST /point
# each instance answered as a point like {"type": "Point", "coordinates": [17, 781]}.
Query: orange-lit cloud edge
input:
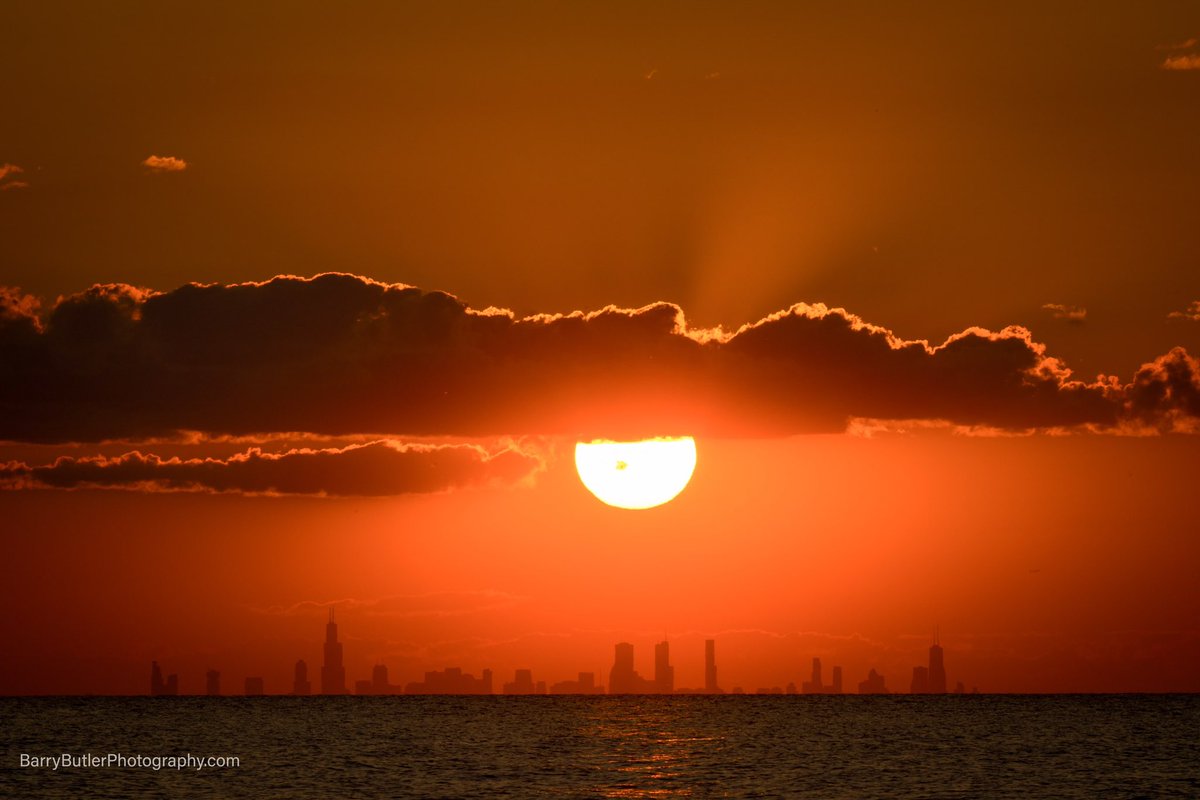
{"type": "Point", "coordinates": [437, 395]}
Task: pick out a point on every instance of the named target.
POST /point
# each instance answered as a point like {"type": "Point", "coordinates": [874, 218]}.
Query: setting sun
{"type": "Point", "coordinates": [636, 475]}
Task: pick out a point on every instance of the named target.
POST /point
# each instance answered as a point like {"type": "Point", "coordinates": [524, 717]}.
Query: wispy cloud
{"type": "Point", "coordinates": [1182, 61]}
{"type": "Point", "coordinates": [7, 181]}
{"type": "Point", "coordinates": [431, 604]}
{"type": "Point", "coordinates": [1076, 314]}
{"type": "Point", "coordinates": [1186, 55]}
{"type": "Point", "coordinates": [165, 164]}
{"type": "Point", "coordinates": [1190, 314]}
{"type": "Point", "coordinates": [1187, 44]}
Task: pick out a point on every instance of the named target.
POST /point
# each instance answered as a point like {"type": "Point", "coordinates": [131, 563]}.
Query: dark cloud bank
{"type": "Point", "coordinates": [373, 469]}
{"type": "Point", "coordinates": [338, 354]}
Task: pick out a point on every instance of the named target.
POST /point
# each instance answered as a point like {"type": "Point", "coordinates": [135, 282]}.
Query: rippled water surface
{"type": "Point", "coordinates": [746, 746]}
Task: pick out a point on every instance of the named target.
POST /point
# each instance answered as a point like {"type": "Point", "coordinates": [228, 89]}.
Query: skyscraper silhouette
{"type": "Point", "coordinates": [212, 683]}
{"type": "Point", "coordinates": [937, 669]}
{"type": "Point", "coordinates": [710, 667]}
{"type": "Point", "coordinates": [301, 685]}
{"type": "Point", "coordinates": [333, 673]}
{"type": "Point", "coordinates": [664, 673]}
{"type": "Point", "coordinates": [814, 685]}
{"type": "Point", "coordinates": [586, 684]}
{"type": "Point", "coordinates": [874, 684]}
{"type": "Point", "coordinates": [379, 679]}
{"type": "Point", "coordinates": [523, 683]}
{"type": "Point", "coordinates": [451, 680]}
{"type": "Point", "coordinates": [159, 687]}
{"type": "Point", "coordinates": [622, 679]}
{"type": "Point", "coordinates": [920, 681]}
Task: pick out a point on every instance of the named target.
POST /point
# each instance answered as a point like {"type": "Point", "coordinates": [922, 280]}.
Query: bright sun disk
{"type": "Point", "coordinates": [636, 475]}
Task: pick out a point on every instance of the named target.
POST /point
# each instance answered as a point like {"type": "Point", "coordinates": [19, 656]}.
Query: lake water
{"type": "Point", "coordinates": [989, 746]}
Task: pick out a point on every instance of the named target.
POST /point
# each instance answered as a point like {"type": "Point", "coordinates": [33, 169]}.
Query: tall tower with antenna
{"type": "Point", "coordinates": [333, 672]}
{"type": "Point", "coordinates": [937, 667]}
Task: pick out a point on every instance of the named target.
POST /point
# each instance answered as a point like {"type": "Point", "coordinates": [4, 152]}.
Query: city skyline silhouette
{"type": "Point", "coordinates": [624, 679]}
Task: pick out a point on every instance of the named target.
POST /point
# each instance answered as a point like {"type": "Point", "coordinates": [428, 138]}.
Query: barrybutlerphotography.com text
{"type": "Point", "coordinates": [180, 762]}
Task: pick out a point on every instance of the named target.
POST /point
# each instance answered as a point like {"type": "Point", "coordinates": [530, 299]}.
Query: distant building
{"type": "Point", "coordinates": [873, 684]}
{"type": "Point", "coordinates": [931, 679]}
{"type": "Point", "coordinates": [920, 681]}
{"type": "Point", "coordinates": [159, 687]}
{"type": "Point", "coordinates": [937, 668]}
{"type": "Point", "coordinates": [790, 688]}
{"type": "Point", "coordinates": [300, 682]}
{"type": "Point", "coordinates": [622, 678]}
{"type": "Point", "coordinates": [664, 673]}
{"type": "Point", "coordinates": [333, 672]}
{"type": "Point", "coordinates": [212, 683]}
{"type": "Point", "coordinates": [378, 684]}
{"type": "Point", "coordinates": [524, 684]}
{"type": "Point", "coordinates": [710, 672]}
{"type": "Point", "coordinates": [451, 680]}
{"type": "Point", "coordinates": [814, 685]}
{"type": "Point", "coordinates": [710, 667]}
{"type": "Point", "coordinates": [379, 680]}
{"type": "Point", "coordinates": [586, 684]}
{"type": "Point", "coordinates": [254, 687]}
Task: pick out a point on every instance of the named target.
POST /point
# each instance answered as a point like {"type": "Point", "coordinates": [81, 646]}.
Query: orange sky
{"type": "Point", "coordinates": [1051, 564]}
{"type": "Point", "coordinates": [928, 170]}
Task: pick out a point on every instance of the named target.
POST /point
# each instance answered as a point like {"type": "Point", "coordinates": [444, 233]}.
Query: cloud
{"type": "Point", "coordinates": [1075, 314]}
{"type": "Point", "coordinates": [1184, 45]}
{"type": "Point", "coordinates": [342, 355]}
{"type": "Point", "coordinates": [430, 604]}
{"type": "Point", "coordinates": [1182, 61]}
{"type": "Point", "coordinates": [375, 469]}
{"type": "Point", "coordinates": [7, 181]}
{"type": "Point", "coordinates": [16, 306]}
{"type": "Point", "coordinates": [1191, 314]}
{"type": "Point", "coordinates": [1166, 393]}
{"type": "Point", "coordinates": [165, 164]}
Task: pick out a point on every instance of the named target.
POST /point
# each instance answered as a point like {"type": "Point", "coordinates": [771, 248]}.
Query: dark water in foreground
{"type": "Point", "coordinates": [558, 747]}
